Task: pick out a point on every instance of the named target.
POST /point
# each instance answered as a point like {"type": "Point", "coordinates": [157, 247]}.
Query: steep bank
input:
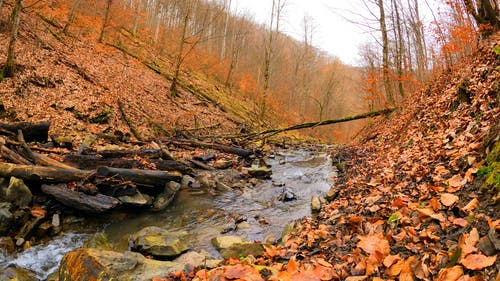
{"type": "Point", "coordinates": [409, 204]}
{"type": "Point", "coordinates": [77, 84]}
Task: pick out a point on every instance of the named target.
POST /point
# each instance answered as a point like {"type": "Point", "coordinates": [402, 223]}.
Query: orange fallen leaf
{"type": "Point", "coordinates": [292, 266]}
{"type": "Point", "coordinates": [406, 270]}
{"type": "Point", "coordinates": [241, 271]}
{"type": "Point", "coordinates": [448, 199]}
{"type": "Point", "coordinates": [456, 183]}
{"type": "Point", "coordinates": [478, 261]}
{"type": "Point", "coordinates": [391, 259]}
{"type": "Point", "coordinates": [471, 206]}
{"type": "Point", "coordinates": [395, 269]}
{"type": "Point", "coordinates": [372, 244]}
{"type": "Point", "coordinates": [38, 212]}
{"type": "Point", "coordinates": [459, 222]}
{"type": "Point", "coordinates": [434, 203]}
{"type": "Point", "coordinates": [450, 274]}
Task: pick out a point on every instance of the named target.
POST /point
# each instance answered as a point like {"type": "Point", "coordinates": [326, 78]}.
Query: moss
{"type": "Point", "coordinates": [464, 95]}
{"type": "Point", "coordinates": [102, 117]}
{"type": "Point", "coordinates": [491, 170]}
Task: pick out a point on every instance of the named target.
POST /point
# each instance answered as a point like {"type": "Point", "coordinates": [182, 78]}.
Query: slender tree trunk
{"type": "Point", "coordinates": [178, 63]}
{"type": "Point", "coordinates": [385, 55]}
{"type": "Point", "coordinates": [71, 15]}
{"type": "Point", "coordinates": [10, 65]}
{"type": "Point", "coordinates": [399, 47]}
{"type": "Point", "coordinates": [226, 26]}
{"type": "Point", "coordinates": [136, 17]}
{"type": "Point", "coordinates": [106, 20]}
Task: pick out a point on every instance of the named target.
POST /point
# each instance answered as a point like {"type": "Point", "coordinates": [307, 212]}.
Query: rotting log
{"type": "Point", "coordinates": [201, 165]}
{"type": "Point", "coordinates": [128, 121]}
{"type": "Point", "coordinates": [224, 148]}
{"type": "Point", "coordinates": [116, 153]}
{"type": "Point", "coordinates": [143, 178]}
{"type": "Point", "coordinates": [32, 131]}
{"type": "Point", "coordinates": [78, 200]}
{"type": "Point", "coordinates": [90, 162]}
{"type": "Point", "coordinates": [13, 156]}
{"type": "Point", "coordinates": [42, 174]}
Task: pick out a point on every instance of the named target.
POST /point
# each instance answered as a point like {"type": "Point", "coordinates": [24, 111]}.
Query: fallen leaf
{"type": "Point", "coordinates": [478, 261]}
{"type": "Point", "coordinates": [471, 206]}
{"type": "Point", "coordinates": [391, 259]}
{"type": "Point", "coordinates": [448, 199]}
{"type": "Point", "coordinates": [292, 266]}
{"type": "Point", "coordinates": [450, 274]}
{"type": "Point", "coordinates": [38, 212]}
{"type": "Point", "coordinates": [372, 244]}
{"type": "Point", "coordinates": [456, 183]}
{"type": "Point", "coordinates": [241, 271]}
{"type": "Point", "coordinates": [406, 270]}
{"type": "Point", "coordinates": [395, 269]}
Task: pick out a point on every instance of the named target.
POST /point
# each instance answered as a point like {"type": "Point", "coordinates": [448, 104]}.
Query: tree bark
{"type": "Point", "coordinates": [143, 178]}
{"type": "Point", "coordinates": [42, 174]}
{"type": "Point", "coordinates": [32, 131]}
{"type": "Point", "coordinates": [106, 20]}
{"type": "Point", "coordinates": [224, 148]}
{"type": "Point", "coordinates": [10, 65]}
{"type": "Point", "coordinates": [78, 200]}
{"type": "Point", "coordinates": [71, 15]}
{"type": "Point", "coordinates": [385, 54]}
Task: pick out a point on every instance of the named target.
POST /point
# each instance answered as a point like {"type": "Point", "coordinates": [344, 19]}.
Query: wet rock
{"type": "Point", "coordinates": [278, 184]}
{"type": "Point", "coordinates": [27, 231]}
{"type": "Point", "coordinates": [6, 245]}
{"type": "Point", "coordinates": [315, 204]}
{"type": "Point", "coordinates": [6, 218]}
{"type": "Point", "coordinates": [287, 195]}
{"type": "Point", "coordinates": [243, 250]}
{"type": "Point", "coordinates": [187, 181]}
{"type": "Point", "coordinates": [18, 193]}
{"type": "Point", "coordinates": [243, 225]}
{"type": "Point", "coordinates": [15, 273]}
{"type": "Point", "coordinates": [260, 172]}
{"type": "Point", "coordinates": [56, 220]}
{"type": "Point", "coordinates": [223, 242]}
{"type": "Point", "coordinates": [137, 200]}
{"type": "Point", "coordinates": [222, 187]}
{"type": "Point", "coordinates": [99, 241]}
{"type": "Point", "coordinates": [93, 264]}
{"type": "Point", "coordinates": [204, 181]}
{"type": "Point", "coordinates": [332, 194]}
{"type": "Point", "coordinates": [222, 164]}
{"type": "Point", "coordinates": [192, 259]}
{"type": "Point", "coordinates": [287, 232]}
{"type": "Point", "coordinates": [164, 199]}
{"type": "Point", "coordinates": [44, 229]}
{"type": "Point", "coordinates": [159, 242]}
{"type": "Point", "coordinates": [253, 181]}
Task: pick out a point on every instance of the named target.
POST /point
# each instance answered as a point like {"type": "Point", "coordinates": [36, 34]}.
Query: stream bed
{"type": "Point", "coordinates": [204, 215]}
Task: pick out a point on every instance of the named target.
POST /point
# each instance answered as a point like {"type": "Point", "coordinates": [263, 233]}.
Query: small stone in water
{"type": "Point", "coordinates": [287, 195]}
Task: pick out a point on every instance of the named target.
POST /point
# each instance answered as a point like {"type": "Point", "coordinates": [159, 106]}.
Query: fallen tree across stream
{"type": "Point", "coordinates": [272, 132]}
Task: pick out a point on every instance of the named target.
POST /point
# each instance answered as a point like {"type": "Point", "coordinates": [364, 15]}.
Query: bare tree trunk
{"type": "Point", "coordinates": [10, 65]}
{"type": "Point", "coordinates": [385, 55]}
{"type": "Point", "coordinates": [180, 57]}
{"type": "Point", "coordinates": [399, 47]}
{"type": "Point", "coordinates": [106, 20]}
{"type": "Point", "coordinates": [136, 17]}
{"type": "Point", "coordinates": [226, 25]}
{"type": "Point", "coordinates": [71, 15]}
{"type": "Point", "coordinates": [486, 12]}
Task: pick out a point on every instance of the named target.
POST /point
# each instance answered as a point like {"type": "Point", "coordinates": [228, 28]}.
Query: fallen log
{"type": "Point", "coordinates": [78, 200]}
{"type": "Point", "coordinates": [13, 156]}
{"type": "Point", "coordinates": [42, 174]}
{"type": "Point", "coordinates": [224, 148]}
{"type": "Point", "coordinates": [201, 165]}
{"type": "Point", "coordinates": [129, 123]}
{"type": "Point", "coordinates": [143, 178]}
{"type": "Point", "coordinates": [272, 132]}
{"type": "Point", "coordinates": [90, 162]}
{"type": "Point", "coordinates": [32, 131]}
{"type": "Point", "coordinates": [112, 153]}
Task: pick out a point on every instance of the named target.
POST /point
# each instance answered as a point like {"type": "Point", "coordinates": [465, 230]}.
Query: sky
{"type": "Point", "coordinates": [332, 32]}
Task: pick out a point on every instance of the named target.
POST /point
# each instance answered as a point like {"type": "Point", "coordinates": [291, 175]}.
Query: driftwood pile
{"type": "Point", "coordinates": [96, 181]}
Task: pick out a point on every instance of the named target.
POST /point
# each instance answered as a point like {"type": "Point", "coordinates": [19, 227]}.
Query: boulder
{"type": "Point", "coordinates": [238, 250]}
{"type": "Point", "coordinates": [160, 243]}
{"type": "Point", "coordinates": [6, 218]}
{"type": "Point", "coordinates": [18, 193]}
{"type": "Point", "coordinates": [287, 195]}
{"type": "Point", "coordinates": [138, 200]}
{"type": "Point", "coordinates": [6, 245]}
{"type": "Point", "coordinates": [222, 164]}
{"type": "Point", "coordinates": [192, 259]}
{"type": "Point", "coordinates": [224, 242]}
{"type": "Point", "coordinates": [93, 264]}
{"type": "Point", "coordinates": [163, 199]}
{"type": "Point", "coordinates": [315, 204]}
{"type": "Point", "coordinates": [259, 172]}
{"type": "Point", "coordinates": [15, 273]}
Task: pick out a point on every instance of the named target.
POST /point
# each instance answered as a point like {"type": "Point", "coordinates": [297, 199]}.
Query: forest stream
{"type": "Point", "coordinates": [253, 212]}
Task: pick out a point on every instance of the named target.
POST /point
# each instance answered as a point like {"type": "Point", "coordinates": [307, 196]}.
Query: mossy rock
{"type": "Point", "coordinates": [102, 117]}
{"type": "Point", "coordinates": [491, 170]}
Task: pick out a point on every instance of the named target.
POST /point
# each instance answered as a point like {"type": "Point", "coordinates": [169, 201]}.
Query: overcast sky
{"type": "Point", "coordinates": [333, 33]}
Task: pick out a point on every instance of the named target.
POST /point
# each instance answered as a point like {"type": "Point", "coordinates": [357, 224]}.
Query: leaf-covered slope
{"type": "Point", "coordinates": [408, 206]}
{"type": "Point", "coordinates": [77, 84]}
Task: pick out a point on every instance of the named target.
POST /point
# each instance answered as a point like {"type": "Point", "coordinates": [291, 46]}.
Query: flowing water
{"type": "Point", "coordinates": [204, 216]}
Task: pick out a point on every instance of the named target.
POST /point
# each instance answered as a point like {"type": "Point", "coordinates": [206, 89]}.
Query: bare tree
{"type": "Point", "coordinates": [105, 23]}
{"type": "Point", "coordinates": [274, 27]}
{"type": "Point", "coordinates": [10, 65]}
{"type": "Point", "coordinates": [71, 15]}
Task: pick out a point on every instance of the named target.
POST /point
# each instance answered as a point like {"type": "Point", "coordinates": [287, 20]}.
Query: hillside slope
{"type": "Point", "coordinates": [77, 84]}
{"type": "Point", "coordinates": [408, 205]}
